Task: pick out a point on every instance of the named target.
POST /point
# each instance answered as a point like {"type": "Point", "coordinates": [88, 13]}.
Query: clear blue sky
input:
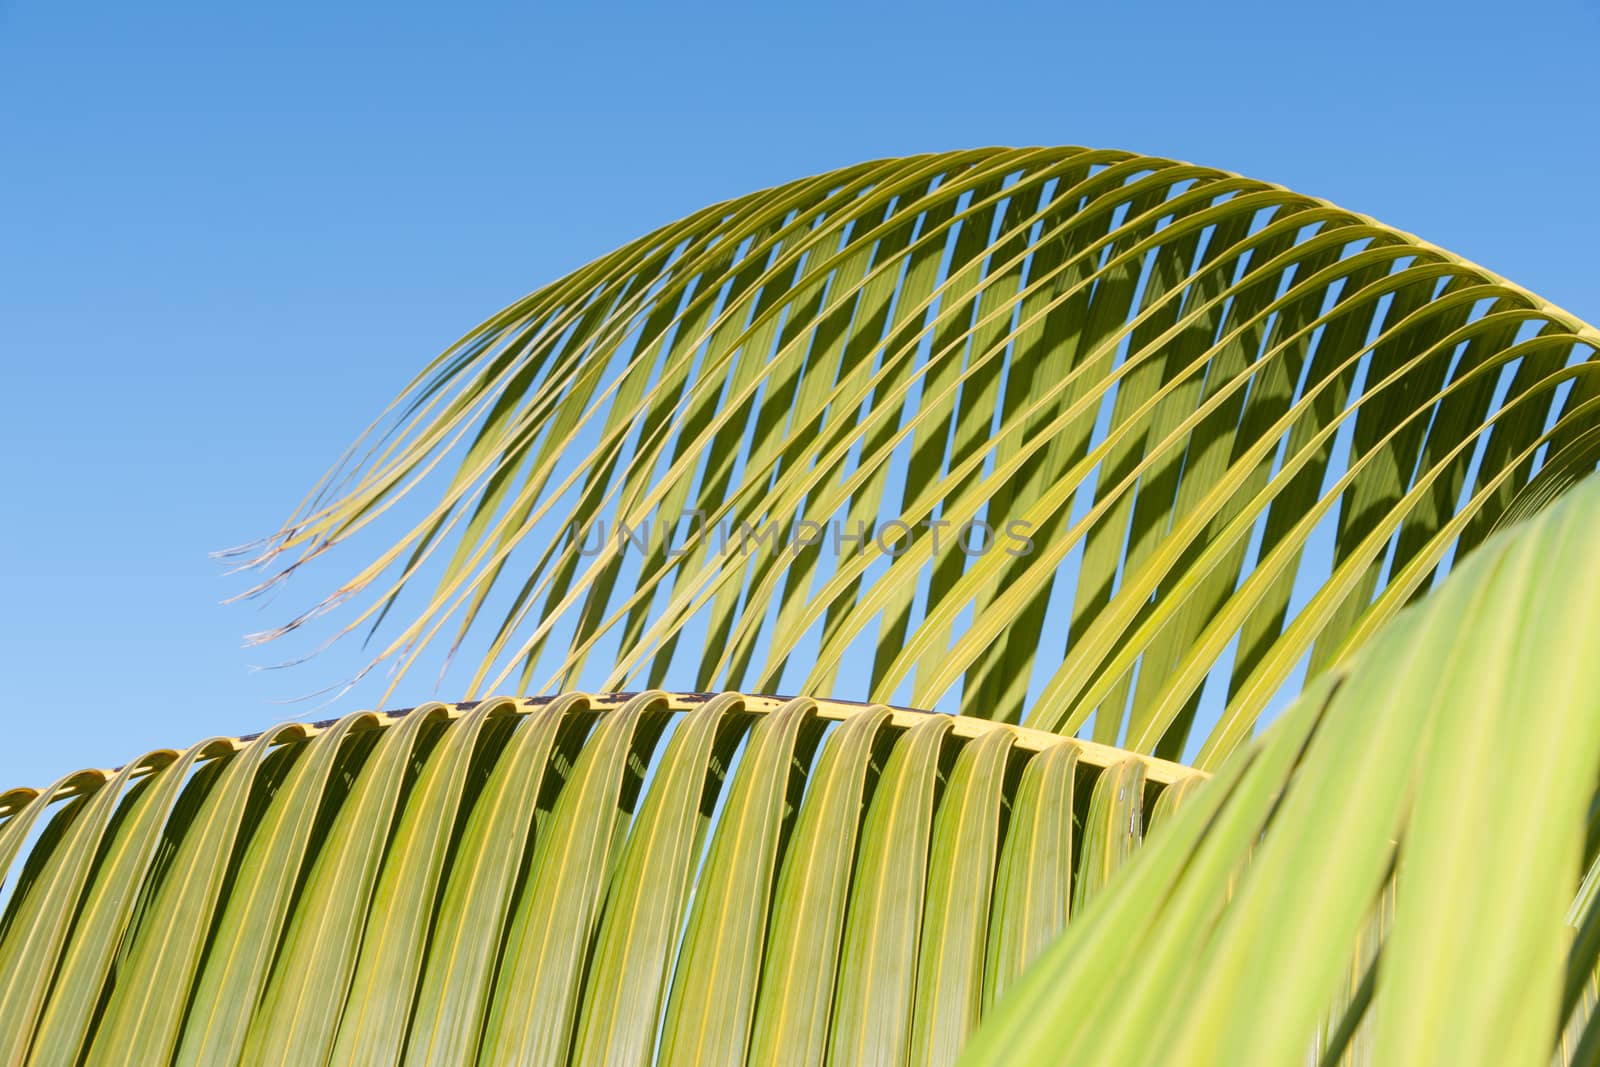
{"type": "Point", "coordinates": [229, 236]}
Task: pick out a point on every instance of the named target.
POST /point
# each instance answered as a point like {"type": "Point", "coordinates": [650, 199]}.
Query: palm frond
{"type": "Point", "coordinates": [1240, 432]}
{"type": "Point", "coordinates": [1443, 780]}
{"type": "Point", "coordinates": [593, 878]}
{"type": "Point", "coordinates": [1237, 426]}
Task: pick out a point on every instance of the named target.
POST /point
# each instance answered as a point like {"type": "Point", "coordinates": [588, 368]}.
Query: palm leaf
{"type": "Point", "coordinates": [1244, 431]}
{"type": "Point", "coordinates": [1200, 395]}
{"type": "Point", "coordinates": [593, 878]}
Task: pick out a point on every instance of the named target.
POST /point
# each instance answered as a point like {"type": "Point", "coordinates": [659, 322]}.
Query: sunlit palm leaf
{"type": "Point", "coordinates": [1455, 755]}
{"type": "Point", "coordinates": [1241, 427]}
{"type": "Point", "coordinates": [593, 878]}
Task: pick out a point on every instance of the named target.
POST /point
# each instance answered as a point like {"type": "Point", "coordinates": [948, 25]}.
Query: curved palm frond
{"type": "Point", "coordinates": [1219, 432]}
{"type": "Point", "coordinates": [1451, 763]}
{"type": "Point", "coordinates": [593, 877]}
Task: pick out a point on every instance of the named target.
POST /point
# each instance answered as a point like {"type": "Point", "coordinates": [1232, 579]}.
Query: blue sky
{"type": "Point", "coordinates": [230, 236]}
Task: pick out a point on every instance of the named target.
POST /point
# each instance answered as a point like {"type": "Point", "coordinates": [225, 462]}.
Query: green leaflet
{"type": "Point", "coordinates": [950, 953]}
{"type": "Point", "coordinates": [1033, 886]}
